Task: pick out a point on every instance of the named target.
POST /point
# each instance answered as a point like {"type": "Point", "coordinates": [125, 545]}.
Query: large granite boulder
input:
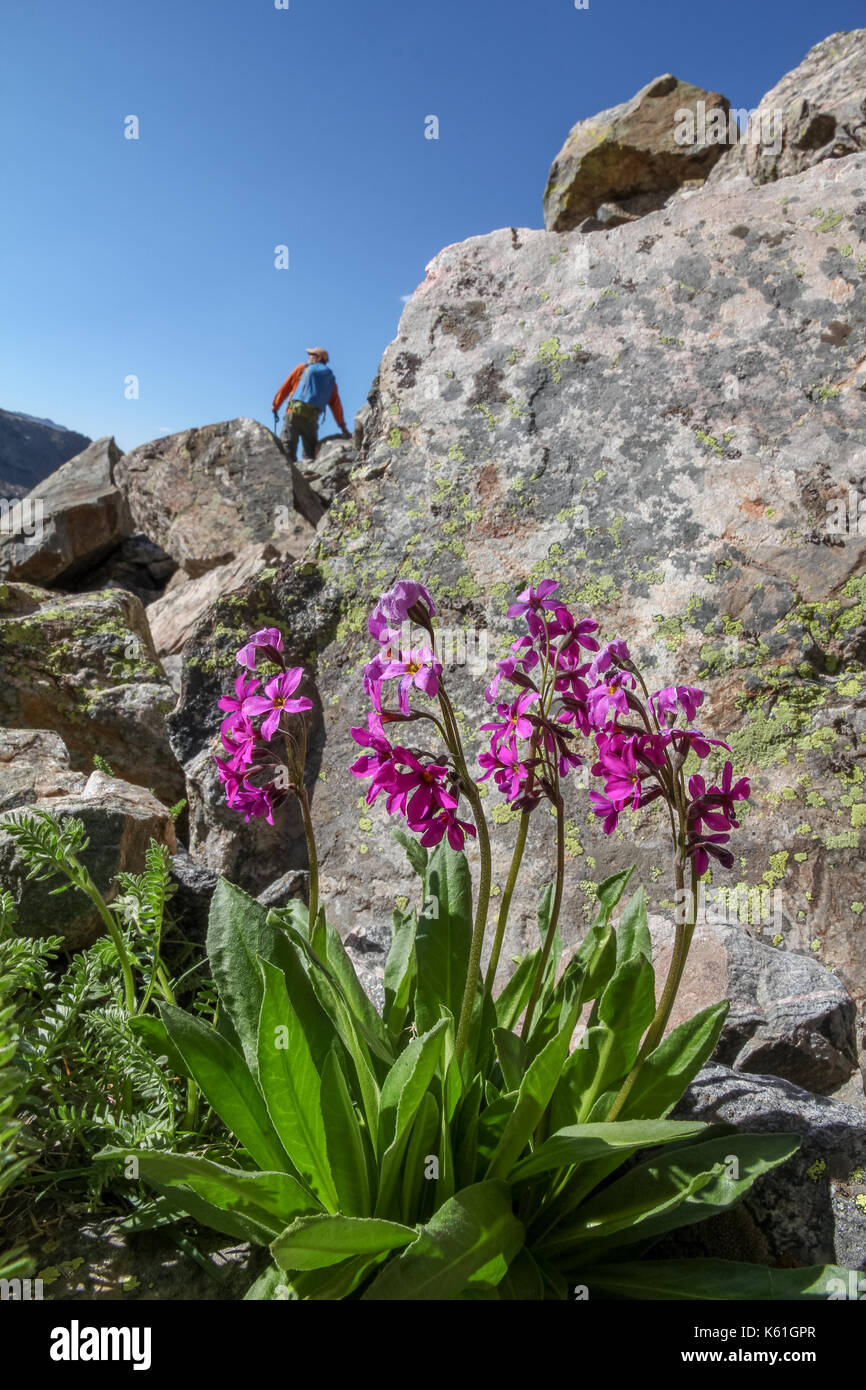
{"type": "Point", "coordinates": [205, 494]}
{"type": "Point", "coordinates": [173, 616]}
{"type": "Point", "coordinates": [34, 766]}
{"type": "Point", "coordinates": [329, 472]}
{"type": "Point", "coordinates": [628, 160]}
{"type": "Point", "coordinates": [789, 1016]}
{"type": "Point", "coordinates": [84, 667]}
{"type": "Point", "coordinates": [816, 112]}
{"type": "Point", "coordinates": [83, 516]}
{"type": "Point", "coordinates": [120, 820]}
{"type": "Point", "coordinates": [667, 418]}
{"type": "Point", "coordinates": [812, 1209]}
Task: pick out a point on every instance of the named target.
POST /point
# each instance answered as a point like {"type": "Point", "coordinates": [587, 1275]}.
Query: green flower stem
{"type": "Point", "coordinates": [682, 941]}
{"type": "Point", "coordinates": [114, 931]}
{"type": "Point", "coordinates": [470, 791]}
{"type": "Point", "coordinates": [311, 854]}
{"type": "Point", "coordinates": [554, 916]}
{"type": "Point", "coordinates": [507, 895]}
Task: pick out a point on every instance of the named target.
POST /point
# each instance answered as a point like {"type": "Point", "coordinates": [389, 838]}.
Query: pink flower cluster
{"type": "Point", "coordinates": [416, 786]}
{"type": "Point", "coordinates": [247, 744]}
{"type": "Point", "coordinates": [640, 745]}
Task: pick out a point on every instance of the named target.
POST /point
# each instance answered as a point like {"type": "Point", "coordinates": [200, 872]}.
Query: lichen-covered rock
{"type": "Point", "coordinates": [810, 1210]}
{"type": "Point", "coordinates": [83, 666]}
{"type": "Point", "coordinates": [816, 112]}
{"type": "Point", "coordinates": [34, 765]}
{"type": "Point", "coordinates": [172, 617]}
{"type": "Point", "coordinates": [205, 494]}
{"type": "Point", "coordinates": [630, 152]}
{"type": "Point", "coordinates": [83, 517]}
{"type": "Point", "coordinates": [120, 820]}
{"type": "Point", "coordinates": [329, 471]}
{"type": "Point", "coordinates": [788, 1017]}
{"type": "Point", "coordinates": [667, 418]}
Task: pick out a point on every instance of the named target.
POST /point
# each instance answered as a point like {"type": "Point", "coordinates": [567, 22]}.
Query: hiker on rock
{"type": "Point", "coordinates": [311, 387]}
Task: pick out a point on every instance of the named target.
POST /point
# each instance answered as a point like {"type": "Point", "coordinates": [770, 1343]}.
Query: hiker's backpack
{"type": "Point", "coordinates": [315, 386]}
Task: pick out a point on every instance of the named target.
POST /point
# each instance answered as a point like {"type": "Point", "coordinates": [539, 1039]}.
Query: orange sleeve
{"type": "Point", "coordinates": [337, 407]}
{"type": "Point", "coordinates": [288, 385]}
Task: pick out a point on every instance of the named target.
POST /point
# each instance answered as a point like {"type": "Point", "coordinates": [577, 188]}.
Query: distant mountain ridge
{"type": "Point", "coordinates": [31, 448]}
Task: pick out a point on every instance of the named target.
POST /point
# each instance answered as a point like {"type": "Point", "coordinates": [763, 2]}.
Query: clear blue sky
{"type": "Point", "coordinates": [303, 127]}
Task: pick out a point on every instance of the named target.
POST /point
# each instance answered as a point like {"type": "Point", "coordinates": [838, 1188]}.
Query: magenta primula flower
{"type": "Point", "coordinates": [612, 653]}
{"type": "Point", "coordinates": [266, 637]}
{"type": "Point", "coordinates": [514, 721]}
{"type": "Point", "coordinates": [531, 604]}
{"type": "Point", "coordinates": [244, 687]}
{"type": "Point", "coordinates": [418, 667]}
{"type": "Point", "coordinates": [666, 701]}
{"type": "Point", "coordinates": [604, 702]}
{"type": "Point", "coordinates": [527, 658]}
{"type": "Point", "coordinates": [392, 610]}
{"type": "Point", "coordinates": [700, 847]}
{"type": "Point", "coordinates": [445, 821]}
{"type": "Point", "coordinates": [255, 801]}
{"type": "Point", "coordinates": [239, 739]}
{"type": "Point", "coordinates": [276, 700]}
{"type": "Point", "coordinates": [577, 635]}
{"type": "Point", "coordinates": [607, 813]}
{"type": "Point", "coordinates": [509, 773]}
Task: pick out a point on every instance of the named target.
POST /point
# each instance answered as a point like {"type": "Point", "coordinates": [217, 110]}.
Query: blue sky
{"type": "Point", "coordinates": [302, 127]}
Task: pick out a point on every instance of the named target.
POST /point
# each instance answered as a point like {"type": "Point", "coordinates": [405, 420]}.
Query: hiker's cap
{"type": "Point", "coordinates": [318, 352]}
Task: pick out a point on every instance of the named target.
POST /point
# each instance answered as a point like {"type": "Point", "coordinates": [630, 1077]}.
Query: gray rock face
{"type": "Point", "coordinates": [816, 112]}
{"type": "Point", "coordinates": [629, 157]}
{"type": "Point", "coordinates": [666, 418]}
{"type": "Point", "coordinates": [31, 449]}
{"type": "Point", "coordinates": [173, 617]}
{"type": "Point", "coordinates": [82, 517]}
{"type": "Point", "coordinates": [329, 472]}
{"type": "Point", "coordinates": [120, 820]}
{"type": "Point", "coordinates": [34, 766]}
{"type": "Point", "coordinates": [789, 1016]}
{"type": "Point", "coordinates": [83, 666]}
{"type": "Point", "coordinates": [808, 1211]}
{"type": "Point", "coordinates": [204, 494]}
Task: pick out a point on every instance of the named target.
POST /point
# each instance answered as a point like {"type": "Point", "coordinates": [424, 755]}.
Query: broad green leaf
{"type": "Point", "coordinates": [444, 936]}
{"type": "Point", "coordinates": [334, 1282]}
{"type": "Point", "coordinates": [400, 973]}
{"type": "Point", "coordinates": [345, 1141]}
{"type": "Point", "coordinates": [582, 1143]}
{"type": "Point", "coordinates": [292, 1087]}
{"type": "Point", "coordinates": [271, 1200]}
{"type": "Point", "coordinates": [228, 1086]}
{"type": "Point", "coordinates": [402, 1093]}
{"type": "Point", "coordinates": [610, 890]}
{"type": "Point", "coordinates": [465, 1134]}
{"type": "Point", "coordinates": [717, 1280]}
{"type": "Point", "coordinates": [676, 1061]}
{"type": "Point", "coordinates": [632, 930]}
{"type": "Point", "coordinates": [670, 1190]}
{"type": "Point", "coordinates": [468, 1231]}
{"type": "Point", "coordinates": [182, 1201]}
{"type": "Point", "coordinates": [533, 1096]}
{"type": "Point", "coordinates": [269, 1285]}
{"type": "Point", "coordinates": [151, 1031]}
{"type": "Point", "coordinates": [238, 933]}
{"type": "Point", "coordinates": [523, 1281]}
{"type": "Point", "coordinates": [315, 1242]}
{"type": "Point", "coordinates": [511, 1051]}
{"type": "Point", "coordinates": [545, 908]}
{"type": "Point", "coordinates": [415, 851]}
{"type": "Point", "coordinates": [479, 1045]}
{"type": "Point", "coordinates": [418, 1188]}
{"type": "Point", "coordinates": [354, 993]}
{"type": "Point", "coordinates": [515, 996]}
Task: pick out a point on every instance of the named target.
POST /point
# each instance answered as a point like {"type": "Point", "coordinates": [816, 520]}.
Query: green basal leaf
{"type": "Point", "coordinates": [415, 851]}
{"type": "Point", "coordinates": [523, 1281]}
{"type": "Point", "coordinates": [348, 1148]}
{"type": "Point", "coordinates": [444, 936]}
{"type": "Point", "coordinates": [153, 1033]}
{"type": "Point", "coordinates": [512, 1054]}
{"type": "Point", "coordinates": [292, 1087]}
{"type": "Point", "coordinates": [402, 1093]}
{"type": "Point", "coordinates": [715, 1279]}
{"type": "Point", "coordinates": [270, 1200]}
{"type": "Point", "coordinates": [668, 1071]}
{"type": "Point", "coordinates": [545, 908]}
{"type": "Point", "coordinates": [515, 996]}
{"type": "Point", "coordinates": [400, 975]}
{"type": "Point", "coordinates": [582, 1143]}
{"type": "Point", "coordinates": [669, 1190]}
{"type": "Point", "coordinates": [269, 1286]}
{"type": "Point", "coordinates": [533, 1096]}
{"type": "Point", "coordinates": [355, 995]}
{"type": "Point", "coordinates": [420, 1184]}
{"type": "Point", "coordinates": [632, 930]}
{"type": "Point", "coordinates": [473, 1228]}
{"type": "Point", "coordinates": [465, 1134]}
{"type": "Point", "coordinates": [610, 890]}
{"type": "Point", "coordinates": [315, 1242]}
{"type": "Point", "coordinates": [238, 933]}
{"type": "Point", "coordinates": [228, 1086]}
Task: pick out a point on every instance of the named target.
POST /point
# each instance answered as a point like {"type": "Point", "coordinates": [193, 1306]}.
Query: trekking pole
{"type": "Point", "coordinates": [276, 423]}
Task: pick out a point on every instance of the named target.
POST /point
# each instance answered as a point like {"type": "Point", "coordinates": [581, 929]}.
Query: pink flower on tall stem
{"type": "Point", "coordinates": [276, 700]}
{"type": "Point", "coordinates": [269, 637]}
{"type": "Point", "coordinates": [419, 668]}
